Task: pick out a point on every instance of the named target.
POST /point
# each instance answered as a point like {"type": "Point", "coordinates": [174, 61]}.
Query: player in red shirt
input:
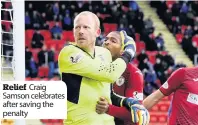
{"type": "Point", "coordinates": [130, 84]}
{"type": "Point", "coordinates": [183, 83]}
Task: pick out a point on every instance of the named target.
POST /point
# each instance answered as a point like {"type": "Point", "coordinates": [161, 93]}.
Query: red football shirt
{"type": "Point", "coordinates": [184, 84]}
{"type": "Point", "coordinates": [130, 84]}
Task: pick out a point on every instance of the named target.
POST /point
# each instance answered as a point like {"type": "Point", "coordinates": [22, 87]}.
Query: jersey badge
{"type": "Point", "coordinates": [137, 95]}
{"type": "Point", "coordinates": [76, 58]}
{"type": "Point", "coordinates": [120, 81]}
{"type": "Point", "coordinates": [165, 85]}
{"type": "Point", "coordinates": [192, 98]}
{"type": "Point", "coordinates": [102, 58]}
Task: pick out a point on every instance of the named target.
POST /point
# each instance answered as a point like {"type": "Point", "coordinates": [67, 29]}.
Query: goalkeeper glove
{"type": "Point", "coordinates": [139, 113]}
{"type": "Point", "coordinates": [129, 47]}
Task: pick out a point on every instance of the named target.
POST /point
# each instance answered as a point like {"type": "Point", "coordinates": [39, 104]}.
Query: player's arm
{"type": "Point", "coordinates": [73, 60]}
{"type": "Point", "coordinates": [153, 99]}
{"type": "Point", "coordinates": [119, 112]}
{"type": "Point", "coordinates": [171, 85]}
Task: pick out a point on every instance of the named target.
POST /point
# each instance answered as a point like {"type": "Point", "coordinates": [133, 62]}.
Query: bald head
{"type": "Point", "coordinates": [86, 30]}
{"type": "Point", "coordinates": [91, 15]}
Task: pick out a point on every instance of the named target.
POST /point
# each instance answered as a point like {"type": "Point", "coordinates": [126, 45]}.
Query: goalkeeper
{"type": "Point", "coordinates": [88, 71]}
{"type": "Point", "coordinates": [130, 84]}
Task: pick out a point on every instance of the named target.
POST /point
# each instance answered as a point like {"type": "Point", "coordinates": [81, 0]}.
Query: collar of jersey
{"type": "Point", "coordinates": [87, 52]}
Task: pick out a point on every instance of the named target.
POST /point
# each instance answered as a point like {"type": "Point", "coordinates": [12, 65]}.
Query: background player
{"type": "Point", "coordinates": [130, 84]}
{"type": "Point", "coordinates": [87, 70]}
{"type": "Point", "coordinates": [183, 83]}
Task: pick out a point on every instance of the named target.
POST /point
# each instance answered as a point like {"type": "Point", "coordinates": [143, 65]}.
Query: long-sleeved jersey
{"type": "Point", "coordinates": [184, 84]}
{"type": "Point", "coordinates": [130, 84]}
{"type": "Point", "coordinates": [88, 78]}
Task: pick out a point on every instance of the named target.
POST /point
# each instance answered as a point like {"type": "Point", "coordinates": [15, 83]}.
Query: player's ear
{"type": "Point", "coordinates": [98, 32]}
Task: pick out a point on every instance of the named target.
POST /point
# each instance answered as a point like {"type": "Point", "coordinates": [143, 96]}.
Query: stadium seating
{"type": "Point", "coordinates": [180, 23]}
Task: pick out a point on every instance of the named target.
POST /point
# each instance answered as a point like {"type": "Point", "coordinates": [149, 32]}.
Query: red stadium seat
{"type": "Point", "coordinates": [183, 28]}
{"type": "Point", "coordinates": [137, 37]}
{"type": "Point", "coordinates": [28, 37]}
{"type": "Point", "coordinates": [68, 36]}
{"type": "Point", "coordinates": [113, 27]}
{"type": "Point", "coordinates": [28, 43]}
{"type": "Point", "coordinates": [109, 27]}
{"type": "Point", "coordinates": [195, 39]}
{"type": "Point", "coordinates": [169, 4]}
{"type": "Point", "coordinates": [164, 107]}
{"type": "Point", "coordinates": [152, 59]}
{"type": "Point", "coordinates": [153, 118]}
{"type": "Point", "coordinates": [140, 46]}
{"type": "Point", "coordinates": [51, 44]}
{"type": "Point", "coordinates": [151, 56]}
{"type": "Point", "coordinates": [52, 23]}
{"type": "Point", "coordinates": [60, 45]}
{"type": "Point", "coordinates": [155, 108]}
{"type": "Point", "coordinates": [158, 117]}
{"type": "Point", "coordinates": [46, 34]}
{"type": "Point", "coordinates": [179, 37]}
{"type": "Point", "coordinates": [29, 33]}
{"type": "Point", "coordinates": [162, 118]}
{"type": "Point", "coordinates": [43, 71]}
